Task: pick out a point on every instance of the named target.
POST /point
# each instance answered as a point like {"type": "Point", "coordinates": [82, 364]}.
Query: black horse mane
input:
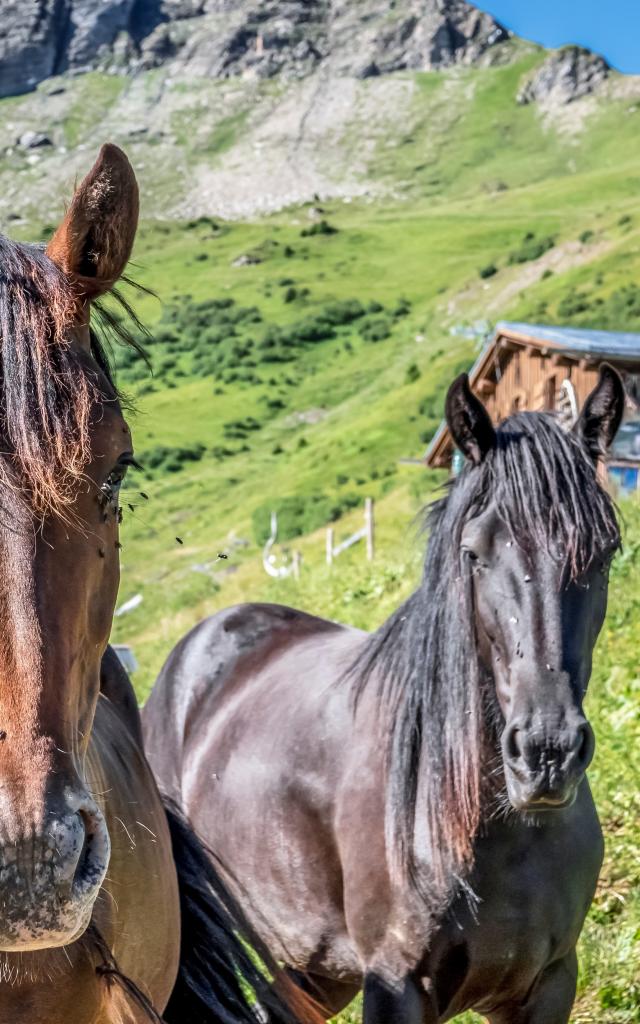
{"type": "Point", "coordinates": [442, 739]}
{"type": "Point", "coordinates": [46, 395]}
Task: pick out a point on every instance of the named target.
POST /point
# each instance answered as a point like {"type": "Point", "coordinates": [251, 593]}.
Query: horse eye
{"type": "Point", "coordinates": [112, 484]}
{"type": "Point", "coordinates": [469, 554]}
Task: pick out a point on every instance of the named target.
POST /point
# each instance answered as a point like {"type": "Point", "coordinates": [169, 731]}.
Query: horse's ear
{"type": "Point", "coordinates": [468, 420]}
{"type": "Point", "coordinates": [94, 241]}
{"type": "Point", "coordinates": [601, 414]}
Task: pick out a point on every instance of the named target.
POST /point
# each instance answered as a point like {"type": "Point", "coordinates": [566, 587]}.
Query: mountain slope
{"type": "Point", "coordinates": [219, 39]}
{"type": "Point", "coordinates": [256, 106]}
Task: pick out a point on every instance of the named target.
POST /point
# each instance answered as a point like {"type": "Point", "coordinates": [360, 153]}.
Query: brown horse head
{"type": "Point", "coordinates": [64, 451]}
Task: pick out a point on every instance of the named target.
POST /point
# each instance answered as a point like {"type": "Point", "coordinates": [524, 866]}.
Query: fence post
{"type": "Point", "coordinates": [329, 545]}
{"type": "Point", "coordinates": [297, 559]}
{"type": "Point", "coordinates": [369, 523]}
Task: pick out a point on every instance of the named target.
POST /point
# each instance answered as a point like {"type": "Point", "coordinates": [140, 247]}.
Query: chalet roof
{"type": "Point", "coordinates": [612, 344]}
{"type": "Point", "coordinates": [617, 346]}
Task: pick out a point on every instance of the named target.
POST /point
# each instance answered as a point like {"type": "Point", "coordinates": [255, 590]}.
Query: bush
{"type": "Point", "coordinates": [532, 248]}
{"type": "Point", "coordinates": [299, 514]}
{"type": "Point", "coordinates": [342, 312]}
{"type": "Point", "coordinates": [239, 429]}
{"type": "Point", "coordinates": [619, 311]}
{"type": "Point", "coordinates": [412, 374]}
{"type": "Point", "coordinates": [586, 236]}
{"type": "Point", "coordinates": [375, 330]}
{"type": "Point", "coordinates": [171, 460]}
{"type": "Point", "coordinates": [402, 308]}
{"type": "Point", "coordinates": [489, 271]}
{"type": "Point", "coordinates": [321, 227]}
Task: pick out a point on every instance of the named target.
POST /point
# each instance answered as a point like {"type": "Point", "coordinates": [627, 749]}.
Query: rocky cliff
{"type": "Point", "coordinates": [226, 38]}
{"type": "Point", "coordinates": [566, 75]}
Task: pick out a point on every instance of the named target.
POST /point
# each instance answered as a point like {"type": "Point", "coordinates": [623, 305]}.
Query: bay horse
{"type": "Point", "coordinates": [111, 911]}
{"type": "Point", "coordinates": [407, 812]}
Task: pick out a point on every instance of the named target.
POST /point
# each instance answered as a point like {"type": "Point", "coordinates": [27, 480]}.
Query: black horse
{"type": "Point", "coordinates": [409, 810]}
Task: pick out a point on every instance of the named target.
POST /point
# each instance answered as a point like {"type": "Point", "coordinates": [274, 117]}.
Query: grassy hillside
{"type": "Point", "coordinates": [298, 358]}
{"type": "Point", "coordinates": [313, 372]}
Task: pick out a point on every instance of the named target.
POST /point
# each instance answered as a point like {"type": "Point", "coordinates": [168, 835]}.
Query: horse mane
{"type": "Point", "coordinates": [46, 392]}
{"type": "Point", "coordinates": [442, 747]}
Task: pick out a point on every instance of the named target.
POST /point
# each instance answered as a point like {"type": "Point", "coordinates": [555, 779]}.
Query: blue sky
{"type": "Point", "coordinates": [612, 28]}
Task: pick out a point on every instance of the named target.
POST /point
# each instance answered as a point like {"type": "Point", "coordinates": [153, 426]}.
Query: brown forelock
{"type": "Point", "coordinates": [46, 397]}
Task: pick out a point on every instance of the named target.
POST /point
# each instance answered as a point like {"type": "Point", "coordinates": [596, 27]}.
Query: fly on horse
{"type": "Point", "coordinates": [96, 875]}
{"type": "Point", "coordinates": [408, 811]}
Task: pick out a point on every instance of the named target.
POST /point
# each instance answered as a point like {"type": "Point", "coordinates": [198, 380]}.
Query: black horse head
{"type": "Point", "coordinates": [537, 541]}
{"type": "Point", "coordinates": [485, 667]}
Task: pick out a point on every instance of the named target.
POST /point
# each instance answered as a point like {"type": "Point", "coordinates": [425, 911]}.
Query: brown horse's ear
{"type": "Point", "coordinates": [94, 242]}
{"type": "Point", "coordinates": [468, 420]}
{"type": "Point", "coordinates": [601, 414]}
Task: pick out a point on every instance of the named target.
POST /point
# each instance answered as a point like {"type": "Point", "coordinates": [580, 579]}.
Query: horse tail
{"type": "Point", "coordinates": [226, 974]}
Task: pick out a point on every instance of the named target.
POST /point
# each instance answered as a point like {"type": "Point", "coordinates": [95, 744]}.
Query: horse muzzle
{"type": "Point", "coordinates": [49, 881]}
{"type": "Point", "coordinates": [543, 773]}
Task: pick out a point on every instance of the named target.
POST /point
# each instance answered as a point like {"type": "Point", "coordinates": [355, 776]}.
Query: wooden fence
{"type": "Point", "coordinates": [291, 567]}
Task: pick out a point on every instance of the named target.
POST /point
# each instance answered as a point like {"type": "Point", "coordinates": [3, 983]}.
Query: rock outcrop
{"type": "Point", "coordinates": [226, 38]}
{"type": "Point", "coordinates": [565, 75]}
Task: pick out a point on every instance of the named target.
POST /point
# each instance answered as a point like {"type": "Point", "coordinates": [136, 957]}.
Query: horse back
{"type": "Point", "coordinates": [221, 654]}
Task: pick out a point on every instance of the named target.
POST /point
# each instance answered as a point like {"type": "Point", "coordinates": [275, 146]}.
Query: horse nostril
{"type": "Point", "coordinates": [584, 746]}
{"type": "Point", "coordinates": [85, 852]}
{"type": "Point", "coordinates": [512, 746]}
{"type": "Point", "coordinates": [94, 855]}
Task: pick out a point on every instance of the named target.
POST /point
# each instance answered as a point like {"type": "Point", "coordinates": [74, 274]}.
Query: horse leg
{"type": "Point", "coordinates": [550, 1000]}
{"type": "Point", "coordinates": [397, 1002]}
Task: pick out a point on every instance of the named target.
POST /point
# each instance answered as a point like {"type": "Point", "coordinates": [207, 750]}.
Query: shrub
{"type": "Point", "coordinates": [321, 227]}
{"type": "Point", "coordinates": [299, 514]}
{"type": "Point", "coordinates": [586, 236]}
{"type": "Point", "coordinates": [573, 303]}
{"type": "Point", "coordinates": [342, 312]}
{"type": "Point", "coordinates": [412, 374]}
{"type": "Point", "coordinates": [375, 330]}
{"type": "Point", "coordinates": [532, 248]}
{"type": "Point", "coordinates": [402, 308]}
{"type": "Point", "coordinates": [489, 271]}
{"type": "Point", "coordinates": [171, 460]}
{"type": "Point", "coordinates": [274, 404]}
{"type": "Point", "coordinates": [239, 429]}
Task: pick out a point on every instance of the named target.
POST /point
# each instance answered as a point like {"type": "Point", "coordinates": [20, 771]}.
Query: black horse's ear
{"type": "Point", "coordinates": [468, 420]}
{"type": "Point", "coordinates": [601, 414]}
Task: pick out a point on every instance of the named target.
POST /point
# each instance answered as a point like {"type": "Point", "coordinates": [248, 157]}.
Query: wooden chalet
{"type": "Point", "coordinates": [528, 366]}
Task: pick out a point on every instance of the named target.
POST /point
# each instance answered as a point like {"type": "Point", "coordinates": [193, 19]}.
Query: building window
{"type": "Point", "coordinates": [550, 394]}
{"type": "Point", "coordinates": [516, 369]}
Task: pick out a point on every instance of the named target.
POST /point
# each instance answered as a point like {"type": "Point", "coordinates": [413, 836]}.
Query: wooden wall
{"type": "Point", "coordinates": [527, 379]}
